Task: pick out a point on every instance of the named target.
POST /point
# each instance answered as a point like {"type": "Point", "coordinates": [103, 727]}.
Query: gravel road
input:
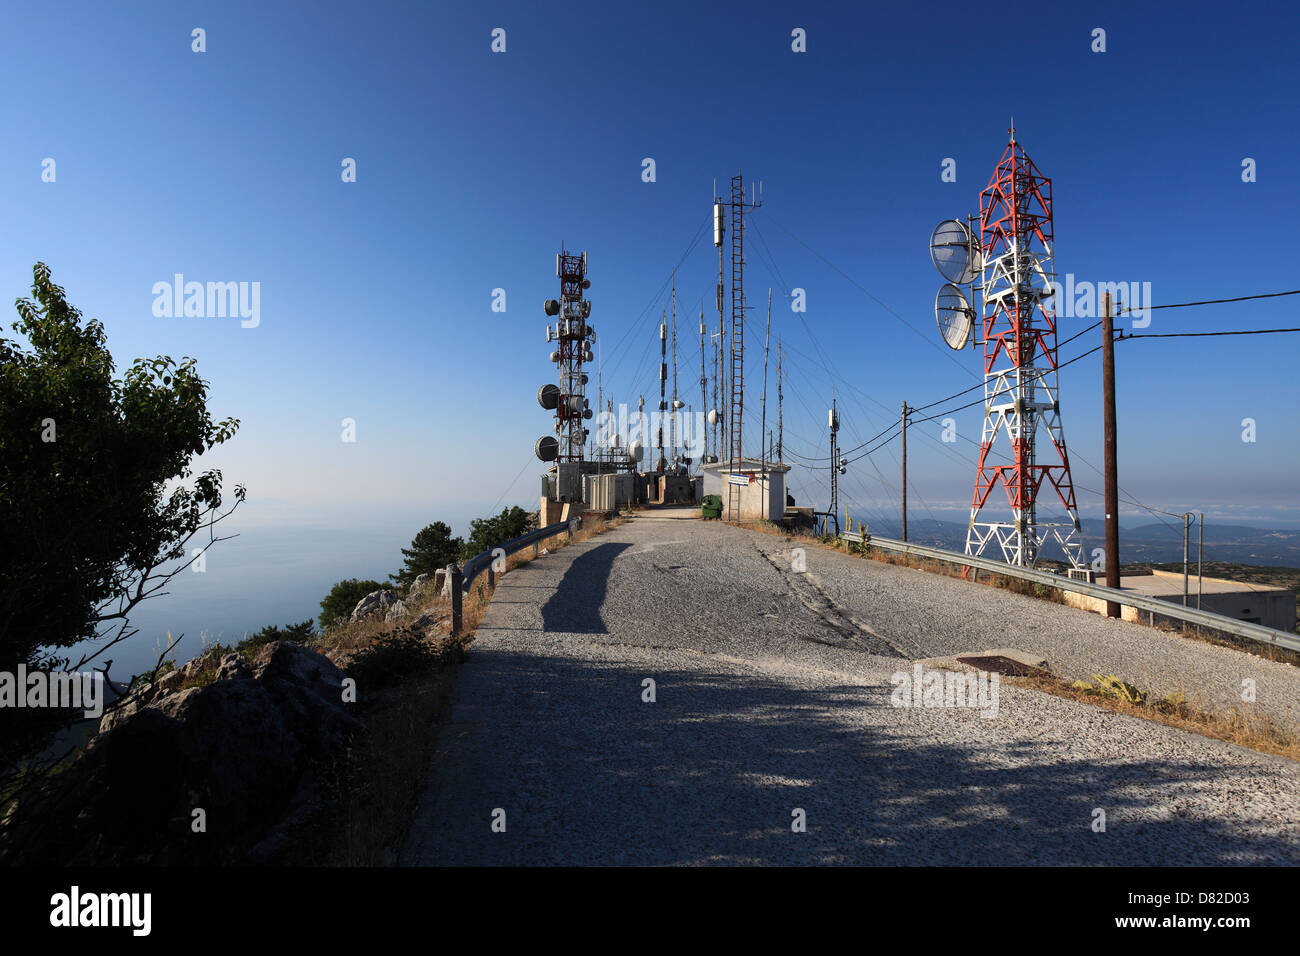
{"type": "Point", "coordinates": [772, 707]}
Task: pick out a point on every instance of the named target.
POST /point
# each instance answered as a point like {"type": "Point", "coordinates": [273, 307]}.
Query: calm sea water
{"type": "Point", "coordinates": [268, 574]}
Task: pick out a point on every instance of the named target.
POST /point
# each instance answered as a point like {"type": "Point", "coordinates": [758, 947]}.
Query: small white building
{"type": "Point", "coordinates": [761, 485]}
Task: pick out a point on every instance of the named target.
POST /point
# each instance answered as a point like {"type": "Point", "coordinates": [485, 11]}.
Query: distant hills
{"type": "Point", "coordinates": [1144, 544]}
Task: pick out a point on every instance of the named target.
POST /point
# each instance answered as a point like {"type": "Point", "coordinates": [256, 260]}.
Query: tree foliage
{"type": "Point", "coordinates": [342, 599]}
{"type": "Point", "coordinates": [486, 533]}
{"type": "Point", "coordinates": [432, 548]}
{"type": "Point", "coordinates": [96, 496]}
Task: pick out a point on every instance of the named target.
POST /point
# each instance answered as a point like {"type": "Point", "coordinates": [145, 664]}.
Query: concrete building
{"type": "Point", "coordinates": [762, 487]}
{"type": "Point", "coordinates": [1257, 603]}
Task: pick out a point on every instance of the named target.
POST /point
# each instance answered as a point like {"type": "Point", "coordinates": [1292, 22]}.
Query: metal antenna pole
{"type": "Point", "coordinates": [672, 422]}
{"type": "Point", "coordinates": [704, 383]}
{"type": "Point", "coordinates": [1187, 522]}
{"type": "Point", "coordinates": [663, 381]}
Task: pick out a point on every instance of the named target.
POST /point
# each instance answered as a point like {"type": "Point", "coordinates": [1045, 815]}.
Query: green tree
{"type": "Point", "coordinates": [297, 633]}
{"type": "Point", "coordinates": [432, 548]}
{"type": "Point", "coordinates": [343, 598]}
{"type": "Point", "coordinates": [97, 509]}
{"type": "Point", "coordinates": [486, 533]}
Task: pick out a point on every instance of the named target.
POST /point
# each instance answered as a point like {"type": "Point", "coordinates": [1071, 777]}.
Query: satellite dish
{"type": "Point", "coordinates": [548, 396]}
{"type": "Point", "coordinates": [546, 448]}
{"type": "Point", "coordinates": [552, 307]}
{"type": "Point", "coordinates": [954, 315]}
{"type": "Point", "coordinates": [635, 450]}
{"type": "Point", "coordinates": [713, 416]}
{"type": "Point", "coordinates": [954, 252]}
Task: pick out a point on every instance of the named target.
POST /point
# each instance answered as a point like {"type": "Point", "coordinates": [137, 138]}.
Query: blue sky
{"type": "Point", "coordinates": [473, 166]}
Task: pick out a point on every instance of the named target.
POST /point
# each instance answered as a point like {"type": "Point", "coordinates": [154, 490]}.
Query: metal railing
{"type": "Point", "coordinates": [1156, 607]}
{"type": "Point", "coordinates": [463, 577]}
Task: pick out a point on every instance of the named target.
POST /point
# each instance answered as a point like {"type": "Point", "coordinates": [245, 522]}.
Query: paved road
{"type": "Point", "coordinates": [772, 696]}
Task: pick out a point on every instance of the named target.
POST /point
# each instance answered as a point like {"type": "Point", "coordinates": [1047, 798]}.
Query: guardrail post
{"type": "Point", "coordinates": [457, 580]}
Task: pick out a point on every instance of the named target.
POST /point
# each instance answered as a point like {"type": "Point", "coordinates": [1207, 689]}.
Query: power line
{"type": "Point", "coordinates": [1186, 335]}
{"type": "Point", "coordinates": [1183, 305]}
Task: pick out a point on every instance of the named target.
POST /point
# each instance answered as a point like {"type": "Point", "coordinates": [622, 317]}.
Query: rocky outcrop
{"type": "Point", "coordinates": [397, 611]}
{"type": "Point", "coordinates": [376, 602]}
{"type": "Point", "coordinates": [189, 772]}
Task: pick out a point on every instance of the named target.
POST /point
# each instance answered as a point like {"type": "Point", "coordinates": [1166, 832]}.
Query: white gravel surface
{"type": "Point", "coordinates": [773, 696]}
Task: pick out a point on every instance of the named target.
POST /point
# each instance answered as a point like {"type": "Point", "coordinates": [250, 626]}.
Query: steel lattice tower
{"type": "Point", "coordinates": [737, 341]}
{"type": "Point", "coordinates": [1020, 368]}
{"type": "Point", "coordinates": [574, 348]}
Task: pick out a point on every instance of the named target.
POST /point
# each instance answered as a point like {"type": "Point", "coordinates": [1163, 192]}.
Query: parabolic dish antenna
{"type": "Point", "coordinates": [954, 315]}
{"type": "Point", "coordinates": [546, 448]}
{"type": "Point", "coordinates": [954, 253]}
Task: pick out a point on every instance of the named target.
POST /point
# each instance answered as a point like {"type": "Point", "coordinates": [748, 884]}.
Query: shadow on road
{"type": "Point", "coordinates": [575, 605]}
{"type": "Point", "coordinates": [712, 771]}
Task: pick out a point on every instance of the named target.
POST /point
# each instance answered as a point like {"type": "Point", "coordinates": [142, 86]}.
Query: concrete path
{"type": "Point", "coordinates": [772, 704]}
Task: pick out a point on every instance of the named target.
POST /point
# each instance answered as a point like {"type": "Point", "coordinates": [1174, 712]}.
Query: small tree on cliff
{"type": "Point", "coordinates": [486, 533]}
{"type": "Point", "coordinates": [97, 512]}
{"type": "Point", "coordinates": [432, 548]}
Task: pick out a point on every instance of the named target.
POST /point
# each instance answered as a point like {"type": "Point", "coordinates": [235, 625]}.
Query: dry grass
{"type": "Point", "coordinates": [1246, 727]}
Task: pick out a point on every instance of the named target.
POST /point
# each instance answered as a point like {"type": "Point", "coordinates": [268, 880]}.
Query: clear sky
{"type": "Point", "coordinates": [472, 167]}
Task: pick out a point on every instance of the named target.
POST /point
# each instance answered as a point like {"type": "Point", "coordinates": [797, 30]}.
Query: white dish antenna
{"type": "Point", "coordinates": [955, 252]}
{"type": "Point", "coordinates": [954, 315]}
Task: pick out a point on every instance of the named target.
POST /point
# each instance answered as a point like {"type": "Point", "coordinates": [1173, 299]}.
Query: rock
{"type": "Point", "coordinates": [374, 603]}
{"type": "Point", "coordinates": [397, 612]}
{"type": "Point", "coordinates": [244, 749]}
{"type": "Point", "coordinates": [428, 619]}
{"type": "Point", "coordinates": [418, 587]}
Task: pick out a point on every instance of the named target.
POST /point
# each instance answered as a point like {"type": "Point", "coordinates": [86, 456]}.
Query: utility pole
{"type": "Point", "coordinates": [1200, 544]}
{"type": "Point", "coordinates": [1112, 469]}
{"type": "Point", "coordinates": [834, 423]}
{"type": "Point", "coordinates": [767, 338]}
{"type": "Point", "coordinates": [905, 471]}
{"type": "Point", "coordinates": [1187, 520]}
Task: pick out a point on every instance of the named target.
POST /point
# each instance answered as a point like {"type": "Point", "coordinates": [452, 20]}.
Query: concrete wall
{"type": "Point", "coordinates": [1273, 607]}
{"type": "Point", "coordinates": [763, 499]}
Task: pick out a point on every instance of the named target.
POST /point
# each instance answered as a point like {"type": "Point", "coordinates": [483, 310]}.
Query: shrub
{"type": "Point", "coordinates": [298, 633]}
{"type": "Point", "coordinates": [342, 599]}
{"type": "Point", "coordinates": [396, 657]}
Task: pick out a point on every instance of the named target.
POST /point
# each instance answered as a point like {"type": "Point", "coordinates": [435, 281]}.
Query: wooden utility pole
{"type": "Point", "coordinates": [905, 471]}
{"type": "Point", "coordinates": [1112, 470]}
{"type": "Point", "coordinates": [767, 339]}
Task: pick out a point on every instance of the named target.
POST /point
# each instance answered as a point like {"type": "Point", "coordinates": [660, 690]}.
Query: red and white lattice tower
{"type": "Point", "coordinates": [1020, 372]}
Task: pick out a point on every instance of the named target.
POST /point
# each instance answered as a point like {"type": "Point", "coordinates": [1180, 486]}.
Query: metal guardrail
{"type": "Point", "coordinates": [1154, 606]}
{"type": "Point", "coordinates": [463, 577]}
